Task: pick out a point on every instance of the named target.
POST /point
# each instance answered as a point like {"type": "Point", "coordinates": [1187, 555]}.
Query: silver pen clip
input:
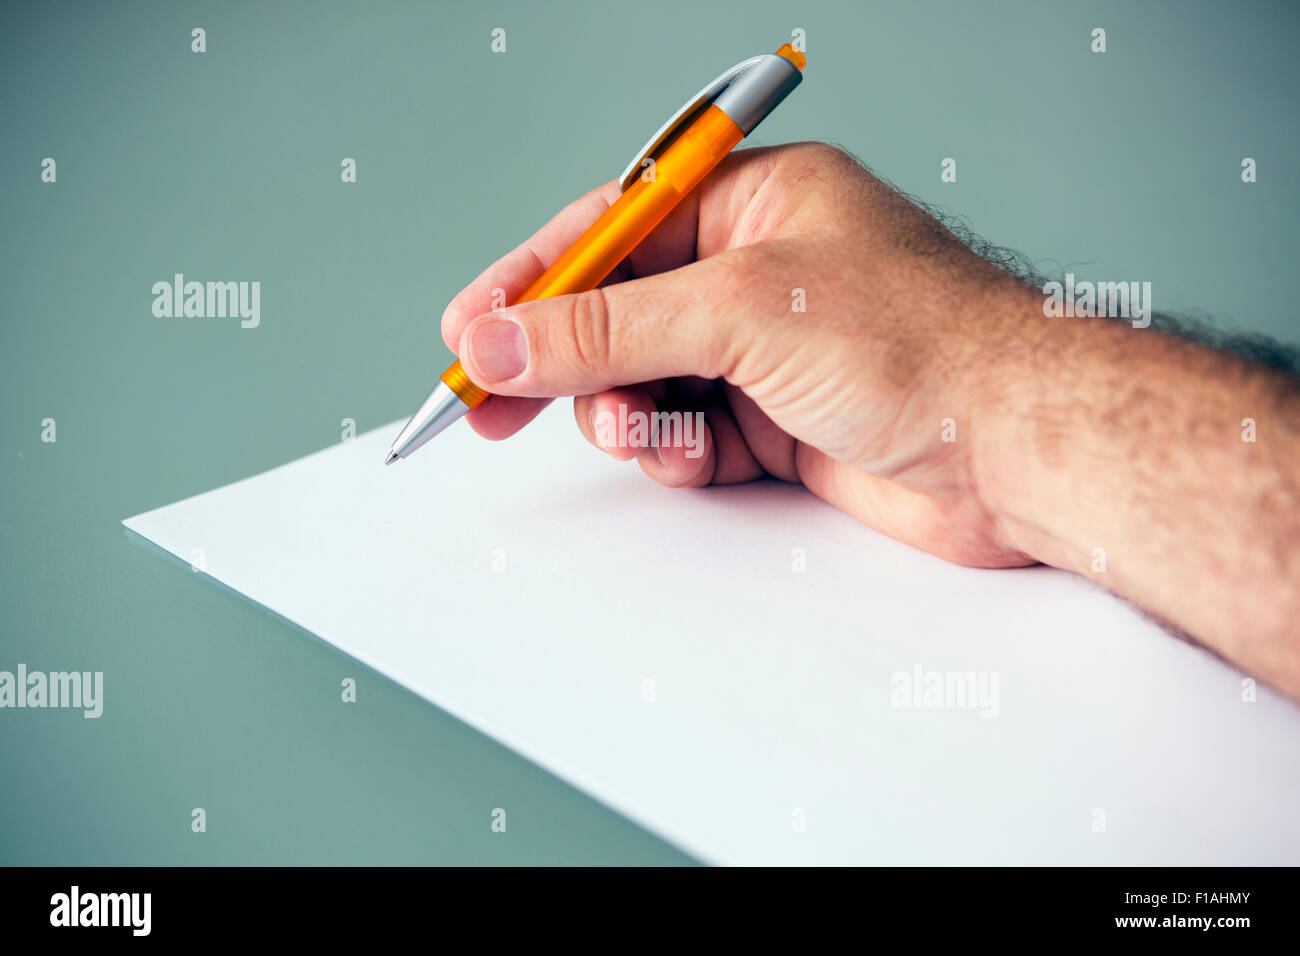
{"type": "Point", "coordinates": [747, 92]}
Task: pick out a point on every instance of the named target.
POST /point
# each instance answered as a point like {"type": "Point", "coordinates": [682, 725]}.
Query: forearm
{"type": "Point", "coordinates": [1130, 457]}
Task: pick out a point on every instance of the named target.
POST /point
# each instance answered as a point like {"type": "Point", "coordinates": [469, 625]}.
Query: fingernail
{"type": "Point", "coordinates": [500, 349]}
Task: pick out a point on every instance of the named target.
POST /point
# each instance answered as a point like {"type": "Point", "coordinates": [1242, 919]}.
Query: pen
{"type": "Point", "coordinates": [672, 163]}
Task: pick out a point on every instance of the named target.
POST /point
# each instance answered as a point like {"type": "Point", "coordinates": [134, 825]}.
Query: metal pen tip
{"type": "Point", "coordinates": [392, 457]}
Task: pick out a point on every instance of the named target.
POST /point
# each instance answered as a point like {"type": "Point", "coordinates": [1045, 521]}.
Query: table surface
{"type": "Point", "coordinates": [225, 166]}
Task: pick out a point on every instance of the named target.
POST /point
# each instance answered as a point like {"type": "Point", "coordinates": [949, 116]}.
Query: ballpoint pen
{"type": "Point", "coordinates": [672, 163]}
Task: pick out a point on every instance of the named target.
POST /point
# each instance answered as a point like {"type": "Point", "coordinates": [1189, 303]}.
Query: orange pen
{"type": "Point", "coordinates": [674, 161]}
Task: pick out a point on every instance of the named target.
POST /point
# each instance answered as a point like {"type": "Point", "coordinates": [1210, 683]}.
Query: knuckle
{"type": "Point", "coordinates": [823, 155]}
{"type": "Point", "coordinates": [590, 345]}
{"type": "Point", "coordinates": [830, 166]}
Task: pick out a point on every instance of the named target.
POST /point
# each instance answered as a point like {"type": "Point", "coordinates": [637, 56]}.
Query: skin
{"type": "Point", "coordinates": [1071, 434]}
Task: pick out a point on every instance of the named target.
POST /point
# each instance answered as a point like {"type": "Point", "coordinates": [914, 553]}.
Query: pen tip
{"type": "Point", "coordinates": [392, 457]}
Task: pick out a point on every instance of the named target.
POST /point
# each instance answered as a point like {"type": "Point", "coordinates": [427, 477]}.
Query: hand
{"type": "Point", "coordinates": [923, 391]}
{"type": "Point", "coordinates": [848, 397]}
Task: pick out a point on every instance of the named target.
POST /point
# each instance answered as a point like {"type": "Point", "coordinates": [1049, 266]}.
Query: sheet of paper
{"type": "Point", "coordinates": [751, 674]}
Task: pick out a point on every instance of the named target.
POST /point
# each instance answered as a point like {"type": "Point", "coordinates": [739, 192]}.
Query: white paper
{"type": "Point", "coordinates": [660, 650]}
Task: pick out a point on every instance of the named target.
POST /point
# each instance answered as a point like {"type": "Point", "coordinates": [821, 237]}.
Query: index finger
{"type": "Point", "coordinates": [702, 224]}
{"type": "Point", "coordinates": [670, 245]}
{"type": "Point", "coordinates": [699, 225]}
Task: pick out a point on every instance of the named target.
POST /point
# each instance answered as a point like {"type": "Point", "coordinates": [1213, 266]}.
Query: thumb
{"type": "Point", "coordinates": [661, 326]}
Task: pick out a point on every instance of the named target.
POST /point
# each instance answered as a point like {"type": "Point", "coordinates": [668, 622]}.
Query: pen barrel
{"type": "Point", "coordinates": [685, 150]}
{"type": "Point", "coordinates": [684, 163]}
{"type": "Point", "coordinates": [691, 156]}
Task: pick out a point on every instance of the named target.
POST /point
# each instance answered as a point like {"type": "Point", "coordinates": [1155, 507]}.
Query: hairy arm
{"type": "Point", "coordinates": [1163, 469]}
{"type": "Point", "coordinates": [832, 332]}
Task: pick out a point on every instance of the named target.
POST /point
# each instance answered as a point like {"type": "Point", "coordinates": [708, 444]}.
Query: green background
{"type": "Point", "coordinates": [225, 166]}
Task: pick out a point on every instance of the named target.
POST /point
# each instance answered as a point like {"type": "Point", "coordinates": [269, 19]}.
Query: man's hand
{"type": "Point", "coordinates": [921, 390]}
